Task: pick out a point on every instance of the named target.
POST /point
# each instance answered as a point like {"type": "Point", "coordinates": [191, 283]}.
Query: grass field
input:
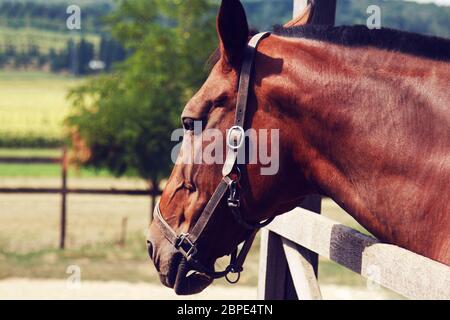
{"type": "Point", "coordinates": [41, 170]}
{"type": "Point", "coordinates": [27, 152]}
{"type": "Point", "coordinates": [33, 103]}
{"type": "Point", "coordinates": [46, 170]}
{"type": "Point", "coordinates": [22, 38]}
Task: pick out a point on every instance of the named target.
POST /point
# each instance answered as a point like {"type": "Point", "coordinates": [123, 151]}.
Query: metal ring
{"type": "Point", "coordinates": [230, 143]}
{"type": "Point", "coordinates": [227, 277]}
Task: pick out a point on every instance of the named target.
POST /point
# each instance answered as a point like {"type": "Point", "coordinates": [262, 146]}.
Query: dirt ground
{"type": "Point", "coordinates": [93, 290]}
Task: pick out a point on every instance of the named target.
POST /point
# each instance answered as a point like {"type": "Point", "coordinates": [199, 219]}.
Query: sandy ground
{"type": "Point", "coordinates": [59, 289]}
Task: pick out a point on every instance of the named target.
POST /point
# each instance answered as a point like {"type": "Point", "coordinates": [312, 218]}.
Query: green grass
{"type": "Point", "coordinates": [41, 170]}
{"type": "Point", "coordinates": [34, 104]}
{"type": "Point", "coordinates": [22, 38]}
{"type": "Point", "coordinates": [32, 171]}
{"type": "Point", "coordinates": [27, 152]}
{"type": "Point", "coordinates": [31, 76]}
{"type": "Point", "coordinates": [46, 171]}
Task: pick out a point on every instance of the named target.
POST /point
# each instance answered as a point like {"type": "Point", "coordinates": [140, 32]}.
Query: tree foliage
{"type": "Point", "coordinates": [125, 118]}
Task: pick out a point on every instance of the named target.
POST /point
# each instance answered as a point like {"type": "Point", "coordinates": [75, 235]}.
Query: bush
{"type": "Point", "coordinates": [125, 119]}
{"type": "Point", "coordinates": [17, 141]}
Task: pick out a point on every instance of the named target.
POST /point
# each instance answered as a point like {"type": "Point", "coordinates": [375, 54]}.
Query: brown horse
{"type": "Point", "coordinates": [363, 118]}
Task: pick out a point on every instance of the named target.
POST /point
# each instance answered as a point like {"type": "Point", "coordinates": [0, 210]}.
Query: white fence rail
{"type": "Point", "coordinates": [290, 239]}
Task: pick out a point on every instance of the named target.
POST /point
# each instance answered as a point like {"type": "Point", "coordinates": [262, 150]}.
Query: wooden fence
{"type": "Point", "coordinates": [291, 244]}
{"type": "Point", "coordinates": [64, 190]}
{"type": "Point", "coordinates": [288, 269]}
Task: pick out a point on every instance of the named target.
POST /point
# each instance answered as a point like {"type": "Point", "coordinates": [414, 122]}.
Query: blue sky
{"type": "Point", "coordinates": [440, 2]}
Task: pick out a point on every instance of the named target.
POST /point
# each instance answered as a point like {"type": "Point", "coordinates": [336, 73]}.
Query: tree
{"type": "Point", "coordinates": [22, 59]}
{"type": "Point", "coordinates": [85, 55]}
{"type": "Point", "coordinates": [110, 52]}
{"type": "Point", "coordinates": [59, 60]}
{"type": "Point", "coordinates": [3, 59]}
{"type": "Point", "coordinates": [10, 51]}
{"type": "Point", "coordinates": [123, 120]}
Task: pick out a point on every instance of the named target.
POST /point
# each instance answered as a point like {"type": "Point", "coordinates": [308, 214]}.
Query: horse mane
{"type": "Point", "coordinates": [359, 36]}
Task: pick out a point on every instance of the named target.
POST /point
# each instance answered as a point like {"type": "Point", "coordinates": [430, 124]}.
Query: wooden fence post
{"type": "Point", "coordinates": [154, 191]}
{"type": "Point", "coordinates": [303, 268]}
{"type": "Point", "coordinates": [324, 12]}
{"type": "Point", "coordinates": [64, 163]}
{"type": "Point", "coordinates": [64, 191]}
{"type": "Point", "coordinates": [274, 280]}
{"type": "Point", "coordinates": [123, 232]}
{"type": "Point", "coordinates": [299, 6]}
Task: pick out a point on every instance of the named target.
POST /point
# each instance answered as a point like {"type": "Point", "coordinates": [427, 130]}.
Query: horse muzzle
{"type": "Point", "coordinates": [187, 282]}
{"type": "Point", "coordinates": [176, 273]}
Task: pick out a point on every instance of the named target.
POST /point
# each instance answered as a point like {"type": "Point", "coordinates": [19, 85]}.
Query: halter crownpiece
{"type": "Point", "coordinates": [186, 243]}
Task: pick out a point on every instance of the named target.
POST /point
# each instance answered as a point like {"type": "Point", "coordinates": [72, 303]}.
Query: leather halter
{"type": "Point", "coordinates": [186, 243]}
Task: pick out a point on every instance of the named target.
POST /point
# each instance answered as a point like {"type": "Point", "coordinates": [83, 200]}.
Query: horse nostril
{"type": "Point", "coordinates": [150, 249]}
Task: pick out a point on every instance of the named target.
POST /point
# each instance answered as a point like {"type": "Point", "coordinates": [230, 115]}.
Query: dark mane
{"type": "Point", "coordinates": [359, 36]}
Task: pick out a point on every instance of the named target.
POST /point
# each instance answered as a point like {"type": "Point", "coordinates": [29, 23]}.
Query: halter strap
{"type": "Point", "coordinates": [186, 243]}
{"type": "Point", "coordinates": [202, 222]}
{"type": "Point", "coordinates": [244, 79]}
{"type": "Point", "coordinates": [241, 104]}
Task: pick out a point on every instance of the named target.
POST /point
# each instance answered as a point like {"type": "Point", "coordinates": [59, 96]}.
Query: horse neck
{"type": "Point", "coordinates": [357, 146]}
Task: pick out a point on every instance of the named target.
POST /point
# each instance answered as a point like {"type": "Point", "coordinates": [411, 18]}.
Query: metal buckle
{"type": "Point", "coordinates": [234, 203]}
{"type": "Point", "coordinates": [233, 199]}
{"type": "Point", "coordinates": [183, 240]}
{"type": "Point", "coordinates": [231, 143]}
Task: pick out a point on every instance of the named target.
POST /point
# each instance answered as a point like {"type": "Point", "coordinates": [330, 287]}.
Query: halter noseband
{"type": "Point", "coordinates": [186, 243]}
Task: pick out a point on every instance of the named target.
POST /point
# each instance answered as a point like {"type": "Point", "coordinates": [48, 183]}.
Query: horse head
{"type": "Point", "coordinates": [206, 119]}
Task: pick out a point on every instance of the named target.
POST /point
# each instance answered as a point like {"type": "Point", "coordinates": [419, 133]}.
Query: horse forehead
{"type": "Point", "coordinates": [212, 89]}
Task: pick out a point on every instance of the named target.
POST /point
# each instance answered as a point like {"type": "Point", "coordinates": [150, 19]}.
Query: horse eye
{"type": "Point", "coordinates": [220, 101]}
{"type": "Point", "coordinates": [188, 124]}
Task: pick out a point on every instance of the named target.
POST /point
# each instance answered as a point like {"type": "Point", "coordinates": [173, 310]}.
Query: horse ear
{"type": "Point", "coordinates": [232, 28]}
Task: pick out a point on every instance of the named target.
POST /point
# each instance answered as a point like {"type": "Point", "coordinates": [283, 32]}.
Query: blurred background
{"type": "Point", "coordinates": [90, 91]}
